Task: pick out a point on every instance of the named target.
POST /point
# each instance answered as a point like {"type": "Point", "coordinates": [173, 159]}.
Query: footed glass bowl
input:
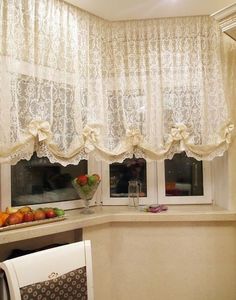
{"type": "Point", "coordinates": [86, 193]}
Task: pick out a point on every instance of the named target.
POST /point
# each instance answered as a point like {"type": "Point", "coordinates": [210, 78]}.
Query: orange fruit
{"type": "Point", "coordinates": [3, 217]}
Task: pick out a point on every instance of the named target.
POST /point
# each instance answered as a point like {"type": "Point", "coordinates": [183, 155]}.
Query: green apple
{"type": "Point", "coordinates": [92, 180]}
{"type": "Point", "coordinates": [59, 212]}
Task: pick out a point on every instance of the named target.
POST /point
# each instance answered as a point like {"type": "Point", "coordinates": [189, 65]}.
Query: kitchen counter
{"type": "Point", "coordinates": [109, 214]}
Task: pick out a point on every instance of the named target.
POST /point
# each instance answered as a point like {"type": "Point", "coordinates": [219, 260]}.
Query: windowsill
{"type": "Point", "coordinates": [110, 214]}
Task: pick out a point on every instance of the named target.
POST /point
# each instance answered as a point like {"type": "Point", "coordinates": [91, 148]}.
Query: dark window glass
{"type": "Point", "coordinates": [122, 173]}
{"type": "Point", "coordinates": [183, 176]}
{"type": "Point", "coordinates": [38, 181]}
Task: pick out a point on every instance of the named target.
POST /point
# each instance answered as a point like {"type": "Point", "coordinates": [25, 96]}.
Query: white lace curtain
{"type": "Point", "coordinates": [74, 85]}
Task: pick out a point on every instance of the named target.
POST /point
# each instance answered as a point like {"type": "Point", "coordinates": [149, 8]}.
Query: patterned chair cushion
{"type": "Point", "coordinates": [71, 286]}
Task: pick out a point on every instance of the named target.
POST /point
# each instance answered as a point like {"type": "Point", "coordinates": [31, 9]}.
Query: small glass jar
{"type": "Point", "coordinates": [134, 188]}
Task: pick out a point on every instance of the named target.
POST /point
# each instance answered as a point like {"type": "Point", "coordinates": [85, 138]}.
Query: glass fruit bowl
{"type": "Point", "coordinates": [86, 187]}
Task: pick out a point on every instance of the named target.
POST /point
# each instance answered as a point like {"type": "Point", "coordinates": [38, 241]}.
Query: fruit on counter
{"type": "Point", "coordinates": [3, 218]}
{"type": "Point", "coordinates": [97, 177]}
{"type": "Point", "coordinates": [59, 212]}
{"type": "Point", "coordinates": [13, 219]}
{"type": "Point", "coordinates": [25, 209]}
{"type": "Point", "coordinates": [86, 185]}
{"type": "Point", "coordinates": [82, 179]}
{"type": "Point", "coordinates": [39, 214]}
{"type": "Point", "coordinates": [92, 180]}
{"type": "Point", "coordinates": [20, 215]}
{"type": "Point", "coordinates": [86, 189]}
{"type": "Point", "coordinates": [11, 210]}
{"type": "Point", "coordinates": [50, 213]}
{"type": "Point", "coordinates": [28, 216]}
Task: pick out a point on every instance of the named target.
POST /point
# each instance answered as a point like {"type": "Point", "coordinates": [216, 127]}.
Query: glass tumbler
{"type": "Point", "coordinates": [133, 193]}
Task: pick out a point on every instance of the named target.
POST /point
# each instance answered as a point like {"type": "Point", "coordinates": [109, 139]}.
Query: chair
{"type": "Point", "coordinates": [63, 272]}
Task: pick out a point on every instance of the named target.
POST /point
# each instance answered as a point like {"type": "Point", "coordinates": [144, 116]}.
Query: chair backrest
{"type": "Point", "coordinates": [63, 272]}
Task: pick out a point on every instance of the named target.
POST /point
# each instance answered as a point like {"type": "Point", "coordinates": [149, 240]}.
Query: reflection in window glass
{"type": "Point", "coordinates": [122, 173]}
{"type": "Point", "coordinates": [38, 181]}
{"type": "Point", "coordinates": [183, 176]}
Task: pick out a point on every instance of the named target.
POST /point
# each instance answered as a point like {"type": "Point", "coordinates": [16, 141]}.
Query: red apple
{"type": "Point", "coordinates": [13, 219]}
{"type": "Point", "coordinates": [28, 216]}
{"type": "Point", "coordinates": [39, 214]}
{"type": "Point", "coordinates": [82, 179]}
{"type": "Point", "coordinates": [50, 213]}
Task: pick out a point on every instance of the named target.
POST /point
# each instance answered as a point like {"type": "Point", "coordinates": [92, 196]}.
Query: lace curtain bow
{"type": "Point", "coordinates": [40, 129]}
{"type": "Point", "coordinates": [179, 132]}
{"type": "Point", "coordinates": [134, 137]}
{"type": "Point", "coordinates": [91, 138]}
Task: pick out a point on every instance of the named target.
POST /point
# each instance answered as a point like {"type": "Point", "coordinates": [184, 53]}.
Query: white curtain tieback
{"type": "Point", "coordinates": [134, 137]}
{"type": "Point", "coordinates": [91, 137]}
{"type": "Point", "coordinates": [228, 133]}
{"type": "Point", "coordinates": [40, 129]}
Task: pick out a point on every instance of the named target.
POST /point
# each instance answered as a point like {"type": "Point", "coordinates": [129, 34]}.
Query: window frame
{"type": "Point", "coordinates": [206, 198]}
{"type": "Point", "coordinates": [155, 188]}
{"type": "Point", "coordinates": [151, 187]}
{"type": "Point", "coordinates": [5, 191]}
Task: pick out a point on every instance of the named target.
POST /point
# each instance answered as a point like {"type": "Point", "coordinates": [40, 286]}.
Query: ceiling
{"type": "Point", "coordinates": [145, 9]}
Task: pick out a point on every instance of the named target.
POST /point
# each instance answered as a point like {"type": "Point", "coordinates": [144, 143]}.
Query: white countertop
{"type": "Point", "coordinates": [108, 214]}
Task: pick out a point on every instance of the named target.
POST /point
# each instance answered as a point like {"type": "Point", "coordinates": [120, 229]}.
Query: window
{"type": "Point", "coordinates": [38, 182]}
{"type": "Point", "coordinates": [121, 173]}
{"type": "Point", "coordinates": [184, 180]}
{"type": "Point", "coordinates": [115, 178]}
{"type": "Point", "coordinates": [181, 180]}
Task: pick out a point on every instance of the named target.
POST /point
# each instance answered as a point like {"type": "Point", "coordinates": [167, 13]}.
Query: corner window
{"type": "Point", "coordinates": [184, 180]}
{"type": "Point", "coordinates": [37, 182]}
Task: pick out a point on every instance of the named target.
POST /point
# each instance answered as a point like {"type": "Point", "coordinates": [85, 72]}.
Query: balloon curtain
{"type": "Point", "coordinates": [74, 85]}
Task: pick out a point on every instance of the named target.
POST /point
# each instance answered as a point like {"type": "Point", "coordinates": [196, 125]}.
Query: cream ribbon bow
{"type": "Point", "coordinates": [134, 136]}
{"type": "Point", "coordinates": [179, 132]}
{"type": "Point", "coordinates": [40, 129]}
{"type": "Point", "coordinates": [228, 133]}
{"type": "Point", "coordinates": [91, 137]}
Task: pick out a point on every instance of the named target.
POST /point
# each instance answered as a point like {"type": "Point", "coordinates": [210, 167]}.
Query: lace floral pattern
{"type": "Point", "coordinates": [73, 84]}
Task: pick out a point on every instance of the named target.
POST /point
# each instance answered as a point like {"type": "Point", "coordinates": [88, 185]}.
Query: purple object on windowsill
{"type": "Point", "coordinates": [157, 208]}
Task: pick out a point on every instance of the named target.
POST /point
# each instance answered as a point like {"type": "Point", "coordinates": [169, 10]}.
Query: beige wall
{"type": "Point", "coordinates": [232, 173]}
{"type": "Point", "coordinates": [101, 238]}
{"type": "Point", "coordinates": [232, 150]}
{"type": "Point", "coordinates": [164, 261]}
